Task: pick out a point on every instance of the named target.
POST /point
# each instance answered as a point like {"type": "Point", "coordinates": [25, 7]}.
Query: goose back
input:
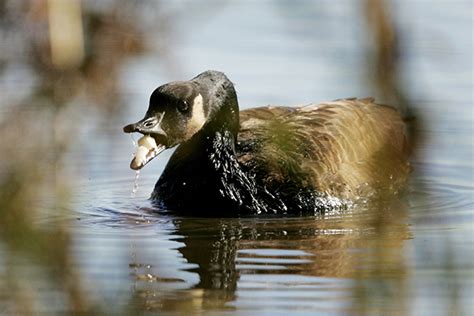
{"type": "Point", "coordinates": [346, 148]}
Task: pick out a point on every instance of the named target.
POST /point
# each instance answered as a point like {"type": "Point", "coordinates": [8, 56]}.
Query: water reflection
{"type": "Point", "coordinates": [58, 57]}
{"type": "Point", "coordinates": [238, 260]}
{"type": "Point", "coordinates": [71, 238]}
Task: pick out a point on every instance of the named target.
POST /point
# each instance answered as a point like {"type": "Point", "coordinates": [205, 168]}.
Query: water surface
{"type": "Point", "coordinates": [411, 255]}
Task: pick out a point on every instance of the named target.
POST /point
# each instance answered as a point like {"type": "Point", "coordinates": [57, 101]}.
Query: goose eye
{"type": "Point", "coordinates": [183, 106]}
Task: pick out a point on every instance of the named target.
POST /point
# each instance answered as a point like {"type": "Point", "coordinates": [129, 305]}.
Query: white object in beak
{"type": "Point", "coordinates": [147, 150]}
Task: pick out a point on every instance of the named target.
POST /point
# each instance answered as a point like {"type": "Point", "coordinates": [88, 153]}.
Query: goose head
{"type": "Point", "coordinates": [179, 110]}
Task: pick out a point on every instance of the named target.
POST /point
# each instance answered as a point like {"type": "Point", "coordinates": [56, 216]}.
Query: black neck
{"type": "Point", "coordinates": [204, 175]}
{"type": "Point", "coordinates": [198, 171]}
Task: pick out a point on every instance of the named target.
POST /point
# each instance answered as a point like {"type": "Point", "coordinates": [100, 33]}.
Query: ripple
{"type": "Point", "coordinates": [450, 203]}
{"type": "Point", "coordinates": [289, 291]}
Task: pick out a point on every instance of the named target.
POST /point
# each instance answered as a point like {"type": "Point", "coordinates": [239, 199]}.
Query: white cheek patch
{"type": "Point", "coordinates": [198, 118]}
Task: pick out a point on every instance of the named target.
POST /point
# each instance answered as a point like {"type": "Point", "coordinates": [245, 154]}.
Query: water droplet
{"type": "Point", "coordinates": [135, 183]}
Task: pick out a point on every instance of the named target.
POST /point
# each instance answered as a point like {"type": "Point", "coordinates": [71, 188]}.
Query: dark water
{"type": "Point", "coordinates": [409, 256]}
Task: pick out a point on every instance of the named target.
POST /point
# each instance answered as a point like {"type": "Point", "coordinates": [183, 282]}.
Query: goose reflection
{"type": "Point", "coordinates": [237, 258]}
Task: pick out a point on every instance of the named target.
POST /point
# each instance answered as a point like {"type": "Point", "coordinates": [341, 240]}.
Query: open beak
{"type": "Point", "coordinates": [151, 144]}
{"type": "Point", "coordinates": [148, 125]}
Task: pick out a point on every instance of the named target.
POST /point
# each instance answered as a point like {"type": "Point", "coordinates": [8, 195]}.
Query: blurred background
{"type": "Point", "coordinates": [75, 238]}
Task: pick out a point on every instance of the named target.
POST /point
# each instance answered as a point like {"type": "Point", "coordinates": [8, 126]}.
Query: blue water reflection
{"type": "Point", "coordinates": [281, 53]}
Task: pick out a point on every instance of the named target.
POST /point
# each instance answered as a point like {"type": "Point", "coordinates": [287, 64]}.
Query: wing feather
{"type": "Point", "coordinates": [346, 147]}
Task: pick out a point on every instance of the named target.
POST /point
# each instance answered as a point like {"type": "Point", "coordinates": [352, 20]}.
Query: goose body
{"type": "Point", "coordinates": [274, 160]}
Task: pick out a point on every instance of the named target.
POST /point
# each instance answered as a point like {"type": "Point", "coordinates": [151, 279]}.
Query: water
{"type": "Point", "coordinates": [413, 255]}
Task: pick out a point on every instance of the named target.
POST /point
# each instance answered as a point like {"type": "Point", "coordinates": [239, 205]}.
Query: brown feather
{"type": "Point", "coordinates": [346, 148]}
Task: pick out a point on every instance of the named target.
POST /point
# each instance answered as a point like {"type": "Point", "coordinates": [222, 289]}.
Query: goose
{"type": "Point", "coordinates": [267, 160]}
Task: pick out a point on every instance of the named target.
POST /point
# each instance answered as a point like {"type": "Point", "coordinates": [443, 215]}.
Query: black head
{"type": "Point", "coordinates": [179, 110]}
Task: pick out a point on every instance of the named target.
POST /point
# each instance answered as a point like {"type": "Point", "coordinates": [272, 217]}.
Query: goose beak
{"type": "Point", "coordinates": [151, 144]}
{"type": "Point", "coordinates": [150, 125]}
